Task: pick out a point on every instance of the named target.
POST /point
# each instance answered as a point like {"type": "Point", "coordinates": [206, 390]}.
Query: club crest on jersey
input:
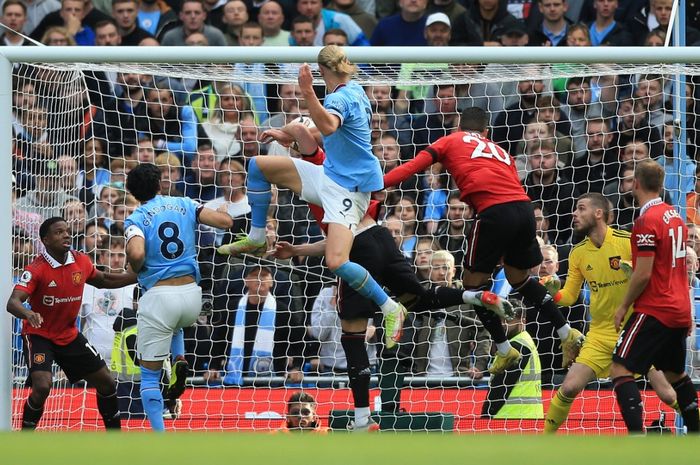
{"type": "Point", "coordinates": [77, 278]}
{"type": "Point", "coordinates": [39, 358]}
{"type": "Point", "coordinates": [615, 262]}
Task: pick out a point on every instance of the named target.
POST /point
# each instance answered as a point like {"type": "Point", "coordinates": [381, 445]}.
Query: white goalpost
{"type": "Point", "coordinates": [637, 93]}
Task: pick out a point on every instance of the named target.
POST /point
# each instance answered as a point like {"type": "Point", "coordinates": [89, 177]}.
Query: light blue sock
{"type": "Point", "coordinates": [177, 345]}
{"type": "Point", "coordinates": [259, 195]}
{"type": "Point", "coordinates": [359, 279]}
{"type": "Point", "coordinates": [151, 398]}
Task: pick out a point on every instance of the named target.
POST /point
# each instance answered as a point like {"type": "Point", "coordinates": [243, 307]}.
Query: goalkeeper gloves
{"type": "Point", "coordinates": [553, 285]}
{"type": "Point", "coordinates": [626, 266]}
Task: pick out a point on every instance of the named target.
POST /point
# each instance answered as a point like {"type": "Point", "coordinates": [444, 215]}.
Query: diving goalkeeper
{"type": "Point", "coordinates": [599, 260]}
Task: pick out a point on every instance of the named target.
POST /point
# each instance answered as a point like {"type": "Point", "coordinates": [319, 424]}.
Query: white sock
{"type": "Point", "coordinates": [563, 332]}
{"type": "Point", "coordinates": [257, 234]}
{"type": "Point", "coordinates": [503, 347]}
{"type": "Point", "coordinates": [361, 416]}
{"type": "Point", "coordinates": [469, 297]}
{"type": "Point", "coordinates": [388, 306]}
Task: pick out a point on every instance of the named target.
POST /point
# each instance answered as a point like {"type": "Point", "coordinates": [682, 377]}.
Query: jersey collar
{"type": "Point", "coordinates": [649, 204]}
{"type": "Point", "coordinates": [54, 264]}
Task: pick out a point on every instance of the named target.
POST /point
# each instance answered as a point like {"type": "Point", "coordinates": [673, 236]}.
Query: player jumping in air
{"type": "Point", "coordinates": [504, 227]}
{"type": "Point", "coordinates": [342, 186]}
{"type": "Point", "coordinates": [598, 260]}
{"type": "Point", "coordinates": [53, 283]}
{"type": "Point", "coordinates": [161, 248]}
{"type": "Point", "coordinates": [656, 332]}
{"type": "Point", "coordinates": [375, 249]}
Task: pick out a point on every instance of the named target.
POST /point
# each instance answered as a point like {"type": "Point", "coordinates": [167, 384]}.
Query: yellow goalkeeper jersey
{"type": "Point", "coordinates": [600, 268]}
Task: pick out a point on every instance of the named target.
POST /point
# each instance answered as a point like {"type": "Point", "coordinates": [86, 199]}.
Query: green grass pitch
{"type": "Point", "coordinates": [376, 449]}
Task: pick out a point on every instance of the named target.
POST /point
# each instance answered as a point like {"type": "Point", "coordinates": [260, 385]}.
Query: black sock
{"type": "Point", "coordinates": [108, 407]}
{"type": "Point", "coordinates": [688, 403]}
{"type": "Point", "coordinates": [536, 295]}
{"type": "Point", "coordinates": [31, 416]}
{"type": "Point", "coordinates": [358, 366]}
{"type": "Point", "coordinates": [630, 402]}
{"type": "Point", "coordinates": [492, 324]}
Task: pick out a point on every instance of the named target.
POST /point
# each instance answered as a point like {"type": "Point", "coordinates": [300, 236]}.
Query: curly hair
{"type": "Point", "coordinates": [143, 182]}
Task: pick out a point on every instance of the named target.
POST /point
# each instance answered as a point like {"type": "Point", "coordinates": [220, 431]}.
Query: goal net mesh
{"type": "Point", "coordinates": [572, 128]}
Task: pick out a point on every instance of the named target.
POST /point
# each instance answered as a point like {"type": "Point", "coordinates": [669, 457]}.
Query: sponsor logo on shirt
{"type": "Point", "coordinates": [50, 300]}
{"type": "Point", "coordinates": [645, 240]}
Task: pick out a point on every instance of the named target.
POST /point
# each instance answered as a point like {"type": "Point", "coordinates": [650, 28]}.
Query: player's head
{"type": "Point", "coordinates": [333, 63]}
{"type": "Point", "coordinates": [55, 235]}
{"type": "Point", "coordinates": [648, 178]}
{"type": "Point", "coordinates": [474, 119]}
{"type": "Point", "coordinates": [143, 182]}
{"type": "Point", "coordinates": [592, 210]}
{"type": "Point", "coordinates": [301, 411]}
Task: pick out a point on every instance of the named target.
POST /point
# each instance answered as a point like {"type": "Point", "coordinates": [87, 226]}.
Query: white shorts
{"type": "Point", "coordinates": [340, 205]}
{"type": "Point", "coordinates": [163, 310]}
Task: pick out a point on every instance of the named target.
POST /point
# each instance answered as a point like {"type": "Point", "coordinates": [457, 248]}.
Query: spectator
{"type": "Point", "coordinates": [107, 34]}
{"type": "Point", "coordinates": [57, 36]}
{"type": "Point", "coordinates": [94, 239]}
{"type": "Point", "coordinates": [143, 151]}
{"type": "Point", "coordinates": [171, 127]}
{"type": "Point", "coordinates": [634, 151]}
{"type": "Point", "coordinates": [289, 99]}
{"type": "Point", "coordinates": [119, 168]}
{"type": "Point", "coordinates": [100, 307]}
{"type": "Point", "coordinates": [170, 173]}
{"type": "Point", "coordinates": [365, 20]}
{"type": "Point", "coordinates": [335, 37]}
{"type": "Point", "coordinates": [407, 211]}
{"type": "Point", "coordinates": [125, 13]}
{"type": "Point", "coordinates": [325, 328]}
{"type": "Point", "coordinates": [491, 18]}
{"type": "Point", "coordinates": [549, 185]}
{"type": "Point", "coordinates": [444, 348]}
{"type": "Point", "coordinates": [37, 10]}
{"type": "Point", "coordinates": [600, 164]}
{"type": "Point", "coordinates": [509, 124]}
{"type": "Point", "coordinates": [403, 28]}
{"type": "Point", "coordinates": [579, 108]}
{"type": "Point", "coordinates": [248, 135]}
{"type": "Point", "coordinates": [70, 17]}
{"type": "Point", "coordinates": [542, 227]}
{"type": "Point", "coordinates": [534, 132]}
{"type": "Point", "coordinates": [655, 38]}
{"type": "Point", "coordinates": [235, 16]}
{"type": "Point", "coordinates": [31, 134]}
{"type": "Point", "coordinates": [303, 32]}
{"type": "Point", "coordinates": [223, 123]}
{"type": "Point", "coordinates": [578, 36]}
{"type": "Point", "coordinates": [393, 224]}
{"type": "Point", "coordinates": [68, 176]}
{"type": "Point", "coordinates": [662, 10]}
{"type": "Point", "coordinates": [196, 39]}
{"type": "Point", "coordinates": [453, 9]}
{"type": "Point", "coordinates": [649, 94]}
{"type": "Point", "coordinates": [259, 337]}
{"type": "Point", "coordinates": [155, 17]}
{"type": "Point", "coordinates": [453, 231]}
{"type": "Point", "coordinates": [123, 210]}
{"type": "Point", "coordinates": [271, 18]}
{"type": "Point", "coordinates": [14, 17]}
{"type": "Point", "coordinates": [623, 200]}
{"type": "Point", "coordinates": [193, 15]}
{"type": "Point", "coordinates": [633, 124]}
{"type": "Point", "coordinates": [605, 30]}
{"type": "Point", "coordinates": [324, 20]}
{"type": "Point", "coordinates": [552, 31]}
{"type": "Point", "coordinates": [26, 221]}
{"type": "Point", "coordinates": [200, 178]}
{"type": "Point", "coordinates": [426, 129]}
{"type": "Point", "coordinates": [301, 414]}
{"type": "Point", "coordinates": [231, 183]}
{"type": "Point", "coordinates": [425, 248]}
{"type": "Point", "coordinates": [252, 36]}
{"type": "Point", "coordinates": [109, 196]}
{"type": "Point", "coordinates": [46, 199]}
{"type": "Point", "coordinates": [434, 203]}
{"type": "Point", "coordinates": [526, 378]}
{"type": "Point", "coordinates": [514, 36]}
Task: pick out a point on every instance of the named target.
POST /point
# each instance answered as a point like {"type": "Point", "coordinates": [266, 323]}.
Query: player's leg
{"type": "Point", "coordinates": [576, 379]}
{"type": "Point", "coordinates": [180, 367]}
{"type": "Point", "coordinates": [353, 342]}
{"type": "Point", "coordinates": [263, 172]}
{"type": "Point", "coordinates": [106, 392]}
{"type": "Point", "coordinates": [664, 390]}
{"type": "Point", "coordinates": [39, 356]}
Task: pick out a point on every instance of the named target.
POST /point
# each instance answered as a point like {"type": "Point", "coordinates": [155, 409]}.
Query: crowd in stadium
{"type": "Point", "coordinates": [73, 150]}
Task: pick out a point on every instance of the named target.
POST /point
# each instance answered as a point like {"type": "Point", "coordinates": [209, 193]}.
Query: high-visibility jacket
{"type": "Point", "coordinates": [525, 399]}
{"type": "Point", "coordinates": [122, 363]}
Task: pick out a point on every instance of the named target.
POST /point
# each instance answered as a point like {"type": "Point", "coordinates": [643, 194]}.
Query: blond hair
{"type": "Point", "coordinates": [443, 255]}
{"type": "Point", "coordinates": [167, 159]}
{"type": "Point", "coordinates": [552, 249]}
{"type": "Point", "coordinates": [333, 58]}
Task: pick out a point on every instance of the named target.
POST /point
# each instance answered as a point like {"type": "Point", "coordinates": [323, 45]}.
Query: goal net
{"type": "Point", "coordinates": [571, 128]}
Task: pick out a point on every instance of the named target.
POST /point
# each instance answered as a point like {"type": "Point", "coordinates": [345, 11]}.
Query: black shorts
{"type": "Point", "coordinates": [77, 359]}
{"type": "Point", "coordinates": [503, 231]}
{"type": "Point", "coordinates": [376, 251]}
{"type": "Point", "coordinates": [645, 341]}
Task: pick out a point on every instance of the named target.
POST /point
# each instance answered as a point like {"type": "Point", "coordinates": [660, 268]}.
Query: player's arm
{"type": "Point", "coordinates": [569, 294]}
{"type": "Point", "coordinates": [215, 218]}
{"type": "Point", "coordinates": [643, 268]}
{"type": "Point", "coordinates": [112, 280]}
{"type": "Point", "coordinates": [284, 250]}
{"type": "Point", "coordinates": [325, 121]}
{"type": "Point", "coordinates": [135, 248]}
{"type": "Point", "coordinates": [420, 163]}
{"type": "Point", "coordinates": [15, 305]}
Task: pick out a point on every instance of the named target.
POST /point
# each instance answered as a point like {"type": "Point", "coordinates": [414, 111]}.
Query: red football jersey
{"type": "Point", "coordinates": [56, 292]}
{"type": "Point", "coordinates": [484, 173]}
{"type": "Point", "coordinates": [661, 232]}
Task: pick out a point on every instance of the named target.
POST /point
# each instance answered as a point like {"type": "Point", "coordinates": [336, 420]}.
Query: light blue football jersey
{"type": "Point", "coordinates": [349, 159]}
{"type": "Point", "coordinates": [168, 225]}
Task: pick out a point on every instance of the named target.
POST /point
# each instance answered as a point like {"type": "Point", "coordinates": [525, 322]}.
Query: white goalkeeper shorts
{"type": "Point", "coordinates": [340, 205]}
{"type": "Point", "coordinates": [163, 310]}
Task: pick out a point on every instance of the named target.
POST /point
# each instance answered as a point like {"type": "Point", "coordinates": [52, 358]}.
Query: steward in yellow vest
{"type": "Point", "coordinates": [517, 392]}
